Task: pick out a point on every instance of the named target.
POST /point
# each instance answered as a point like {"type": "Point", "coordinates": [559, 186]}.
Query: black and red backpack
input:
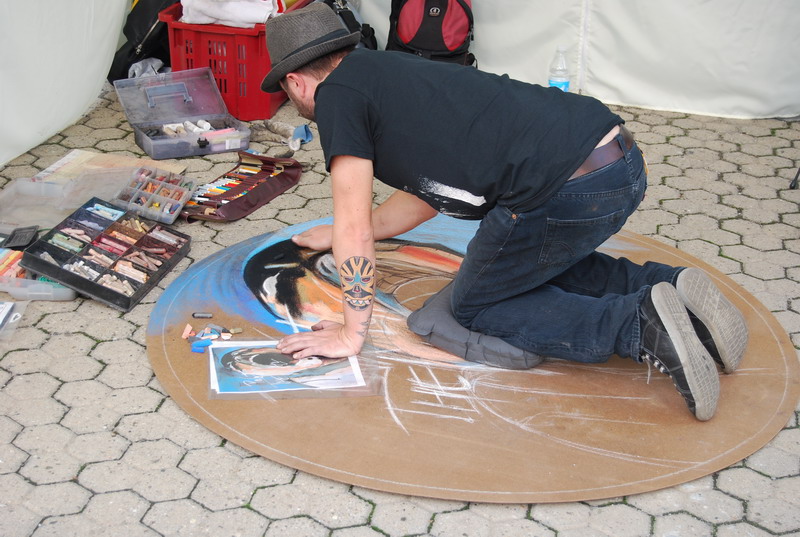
{"type": "Point", "coordinates": [435, 29]}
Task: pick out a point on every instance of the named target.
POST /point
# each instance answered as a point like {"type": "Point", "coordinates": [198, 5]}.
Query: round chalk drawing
{"type": "Point", "coordinates": [429, 424]}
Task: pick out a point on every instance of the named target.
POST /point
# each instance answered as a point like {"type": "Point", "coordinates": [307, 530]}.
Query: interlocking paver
{"type": "Point", "coordinates": [298, 526]}
{"type": "Point", "coordinates": [61, 323]}
{"type": "Point", "coordinates": [454, 522]}
{"type": "Point", "coordinates": [73, 368]}
{"type": "Point", "coordinates": [139, 427]}
{"type": "Point", "coordinates": [714, 506]}
{"type": "Point", "coordinates": [90, 419]}
{"type": "Point", "coordinates": [562, 517]}
{"type": "Point", "coordinates": [333, 506]}
{"type": "Point", "coordinates": [401, 517]}
{"type": "Point", "coordinates": [32, 412]}
{"type": "Point", "coordinates": [660, 502]}
{"type": "Point", "coordinates": [16, 521]}
{"type": "Point", "coordinates": [745, 483]}
{"type": "Point", "coordinates": [126, 375]}
{"type": "Point", "coordinates": [164, 484]}
{"type": "Point", "coordinates": [775, 515]}
{"type": "Point", "coordinates": [57, 499]}
{"type": "Point", "coordinates": [221, 494]}
{"type": "Point", "coordinates": [118, 352]}
{"type": "Point", "coordinates": [220, 484]}
{"type": "Point", "coordinates": [681, 524]}
{"type": "Point", "coordinates": [583, 532]}
{"type": "Point", "coordinates": [114, 508]}
{"type": "Point", "coordinates": [27, 337]}
{"type": "Point", "coordinates": [239, 522]}
{"type": "Point", "coordinates": [774, 462]}
{"type": "Point", "coordinates": [360, 531]}
{"type": "Point", "coordinates": [133, 400]}
{"type": "Point", "coordinates": [514, 528]}
{"type": "Point", "coordinates": [178, 518]}
{"type": "Point", "coordinates": [25, 362]}
{"type": "Point", "coordinates": [108, 476]}
{"type": "Point", "coordinates": [90, 444]}
{"type": "Point", "coordinates": [97, 446]}
{"type": "Point", "coordinates": [156, 455]}
{"type": "Point", "coordinates": [620, 521]}
{"type": "Point", "coordinates": [788, 490]}
{"type": "Point", "coordinates": [32, 386]}
{"type": "Point", "coordinates": [43, 439]}
{"type": "Point", "coordinates": [11, 457]}
{"type": "Point", "coordinates": [82, 393]}
{"type": "Point", "coordinates": [46, 468]}
{"type": "Point", "coordinates": [741, 529]}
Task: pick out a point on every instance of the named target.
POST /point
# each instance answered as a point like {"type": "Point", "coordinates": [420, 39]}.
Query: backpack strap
{"type": "Point", "coordinates": [468, 11]}
{"type": "Point", "coordinates": [394, 14]}
{"type": "Point", "coordinates": [348, 17]}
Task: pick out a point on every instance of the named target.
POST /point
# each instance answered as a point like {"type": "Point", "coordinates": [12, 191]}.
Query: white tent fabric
{"type": "Point", "coordinates": [733, 58]}
{"type": "Point", "coordinates": [55, 57]}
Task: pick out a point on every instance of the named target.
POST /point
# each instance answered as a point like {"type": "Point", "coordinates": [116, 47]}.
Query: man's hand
{"type": "Point", "coordinates": [400, 213]}
{"type": "Point", "coordinates": [317, 238]}
{"type": "Point", "coordinates": [327, 340]}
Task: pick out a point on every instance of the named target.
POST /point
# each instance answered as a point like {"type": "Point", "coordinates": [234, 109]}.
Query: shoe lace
{"type": "Point", "coordinates": [652, 361]}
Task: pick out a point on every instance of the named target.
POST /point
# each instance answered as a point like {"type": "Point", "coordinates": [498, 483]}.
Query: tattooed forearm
{"type": "Point", "coordinates": [358, 282]}
{"type": "Point", "coordinates": [364, 329]}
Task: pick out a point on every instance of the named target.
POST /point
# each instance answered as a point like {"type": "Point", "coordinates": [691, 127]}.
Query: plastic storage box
{"type": "Point", "coordinates": [25, 202]}
{"type": "Point", "coordinates": [15, 281]}
{"type": "Point", "coordinates": [28, 289]}
{"type": "Point", "coordinates": [238, 58]}
{"type": "Point", "coordinates": [107, 253]}
{"type": "Point", "coordinates": [158, 108]}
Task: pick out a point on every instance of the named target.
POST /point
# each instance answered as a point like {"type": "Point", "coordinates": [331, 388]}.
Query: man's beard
{"type": "Point", "coordinates": [306, 112]}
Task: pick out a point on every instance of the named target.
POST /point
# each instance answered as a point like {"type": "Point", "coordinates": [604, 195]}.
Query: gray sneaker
{"type": "Point", "coordinates": [669, 342]}
{"type": "Point", "coordinates": [718, 323]}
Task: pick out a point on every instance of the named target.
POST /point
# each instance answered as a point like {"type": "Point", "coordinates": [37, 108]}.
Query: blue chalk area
{"type": "Point", "coordinates": [218, 279]}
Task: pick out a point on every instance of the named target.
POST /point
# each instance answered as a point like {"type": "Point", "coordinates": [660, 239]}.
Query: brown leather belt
{"type": "Point", "coordinates": [604, 155]}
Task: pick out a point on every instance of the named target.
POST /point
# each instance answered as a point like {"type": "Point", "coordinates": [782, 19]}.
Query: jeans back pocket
{"type": "Point", "coordinates": [569, 241]}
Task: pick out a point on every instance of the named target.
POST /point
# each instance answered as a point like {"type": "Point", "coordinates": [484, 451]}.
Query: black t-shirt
{"type": "Point", "coordinates": [460, 139]}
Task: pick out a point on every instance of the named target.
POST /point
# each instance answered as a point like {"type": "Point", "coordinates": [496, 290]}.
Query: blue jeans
{"type": "Point", "coordinates": [535, 279]}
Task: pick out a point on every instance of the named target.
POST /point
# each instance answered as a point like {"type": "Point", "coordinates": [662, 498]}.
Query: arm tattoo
{"type": "Point", "coordinates": [358, 282]}
{"type": "Point", "coordinates": [364, 329]}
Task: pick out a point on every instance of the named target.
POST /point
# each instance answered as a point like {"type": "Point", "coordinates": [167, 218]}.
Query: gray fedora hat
{"type": "Point", "coordinates": [299, 37]}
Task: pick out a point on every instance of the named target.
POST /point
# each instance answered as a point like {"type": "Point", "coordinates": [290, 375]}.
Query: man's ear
{"type": "Point", "coordinates": [291, 80]}
{"type": "Point", "coordinates": [298, 83]}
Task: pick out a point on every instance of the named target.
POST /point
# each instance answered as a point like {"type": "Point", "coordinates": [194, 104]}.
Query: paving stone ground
{"type": "Point", "coordinates": [90, 443]}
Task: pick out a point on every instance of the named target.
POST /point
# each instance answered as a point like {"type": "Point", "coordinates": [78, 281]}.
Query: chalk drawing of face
{"type": "Point", "coordinates": [302, 287]}
{"type": "Point", "coordinates": [265, 362]}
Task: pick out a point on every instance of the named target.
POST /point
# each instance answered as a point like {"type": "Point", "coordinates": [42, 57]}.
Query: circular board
{"type": "Point", "coordinates": [429, 424]}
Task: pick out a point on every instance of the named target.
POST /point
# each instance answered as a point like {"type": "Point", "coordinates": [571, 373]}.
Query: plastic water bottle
{"type": "Point", "coordinates": [559, 73]}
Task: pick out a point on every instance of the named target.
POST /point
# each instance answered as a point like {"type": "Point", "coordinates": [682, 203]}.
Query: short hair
{"type": "Point", "coordinates": [322, 66]}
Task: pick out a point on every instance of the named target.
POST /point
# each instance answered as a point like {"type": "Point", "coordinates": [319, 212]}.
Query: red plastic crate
{"type": "Point", "coordinates": [238, 58]}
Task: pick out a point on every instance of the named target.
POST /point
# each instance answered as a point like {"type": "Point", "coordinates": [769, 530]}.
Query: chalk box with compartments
{"type": "Point", "coordinates": [107, 253]}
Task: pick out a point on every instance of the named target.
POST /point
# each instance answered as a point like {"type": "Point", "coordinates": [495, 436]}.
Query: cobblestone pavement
{"type": "Point", "coordinates": [90, 444]}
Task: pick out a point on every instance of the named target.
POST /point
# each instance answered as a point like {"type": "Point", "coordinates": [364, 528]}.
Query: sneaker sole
{"type": "Point", "coordinates": [699, 367]}
{"type": "Point", "coordinates": [722, 319]}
